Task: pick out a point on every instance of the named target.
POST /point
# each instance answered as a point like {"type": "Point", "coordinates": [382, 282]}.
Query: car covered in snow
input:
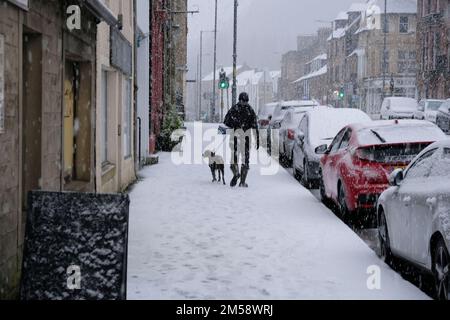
{"type": "Point", "coordinates": [283, 107]}
{"type": "Point", "coordinates": [443, 117]}
{"type": "Point", "coordinates": [289, 125]}
{"type": "Point", "coordinates": [398, 108]}
{"type": "Point", "coordinates": [319, 127]}
{"type": "Point", "coordinates": [428, 109]}
{"type": "Point", "coordinates": [356, 166]}
{"type": "Point", "coordinates": [414, 215]}
{"type": "Point", "coordinates": [280, 112]}
{"type": "Point", "coordinates": [265, 115]}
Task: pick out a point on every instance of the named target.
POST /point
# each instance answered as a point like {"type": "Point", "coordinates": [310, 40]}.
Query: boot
{"type": "Point", "coordinates": [244, 173]}
{"type": "Point", "coordinates": [236, 175]}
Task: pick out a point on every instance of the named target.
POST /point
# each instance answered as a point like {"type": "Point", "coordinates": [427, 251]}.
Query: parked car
{"type": "Point", "coordinates": [289, 124]}
{"type": "Point", "coordinates": [318, 127]}
{"type": "Point", "coordinates": [443, 117]}
{"type": "Point", "coordinates": [283, 107]}
{"type": "Point", "coordinates": [414, 215]}
{"type": "Point", "coordinates": [428, 109]}
{"type": "Point", "coordinates": [280, 112]}
{"type": "Point", "coordinates": [398, 108]}
{"type": "Point", "coordinates": [265, 115]}
{"type": "Point", "coordinates": [356, 166]}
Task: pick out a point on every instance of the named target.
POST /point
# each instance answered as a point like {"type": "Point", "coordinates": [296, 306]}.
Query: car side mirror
{"type": "Point", "coordinates": [300, 136]}
{"type": "Point", "coordinates": [270, 118]}
{"type": "Point", "coordinates": [323, 149]}
{"type": "Point", "coordinates": [396, 177]}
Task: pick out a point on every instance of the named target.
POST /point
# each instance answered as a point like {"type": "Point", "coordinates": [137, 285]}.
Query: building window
{"type": "Point", "coordinates": [127, 119]}
{"type": "Point", "coordinates": [104, 118]}
{"type": "Point", "coordinates": [404, 24]}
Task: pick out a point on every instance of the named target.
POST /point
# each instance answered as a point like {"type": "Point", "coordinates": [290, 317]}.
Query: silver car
{"type": "Point", "coordinates": [414, 215]}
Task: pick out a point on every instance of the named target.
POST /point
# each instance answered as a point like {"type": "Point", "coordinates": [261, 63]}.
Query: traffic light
{"type": "Point", "coordinates": [224, 82]}
{"type": "Point", "coordinates": [342, 93]}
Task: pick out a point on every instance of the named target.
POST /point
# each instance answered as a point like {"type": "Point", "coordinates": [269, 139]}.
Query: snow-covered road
{"type": "Point", "coordinates": [191, 239]}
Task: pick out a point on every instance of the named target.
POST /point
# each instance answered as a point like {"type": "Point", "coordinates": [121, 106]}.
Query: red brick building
{"type": "Point", "coordinates": [433, 54]}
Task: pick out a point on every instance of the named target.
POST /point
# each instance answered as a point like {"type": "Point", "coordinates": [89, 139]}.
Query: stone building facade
{"type": "Point", "coordinates": [47, 142]}
{"type": "Point", "coordinates": [115, 113]}
{"type": "Point", "coordinates": [433, 51]}
{"type": "Point", "coordinates": [356, 55]}
{"type": "Point", "coordinates": [293, 63]}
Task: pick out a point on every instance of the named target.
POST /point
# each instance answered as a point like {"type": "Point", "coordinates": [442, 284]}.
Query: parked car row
{"type": "Point", "coordinates": [392, 173]}
{"type": "Point", "coordinates": [433, 110]}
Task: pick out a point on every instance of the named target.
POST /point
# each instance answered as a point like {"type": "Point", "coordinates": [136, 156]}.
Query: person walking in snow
{"type": "Point", "coordinates": [243, 121]}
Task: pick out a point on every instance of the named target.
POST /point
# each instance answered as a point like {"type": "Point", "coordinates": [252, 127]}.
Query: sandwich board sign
{"type": "Point", "coordinates": [75, 246]}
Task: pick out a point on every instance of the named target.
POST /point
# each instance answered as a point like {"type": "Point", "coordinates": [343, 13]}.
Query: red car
{"type": "Point", "coordinates": [356, 166]}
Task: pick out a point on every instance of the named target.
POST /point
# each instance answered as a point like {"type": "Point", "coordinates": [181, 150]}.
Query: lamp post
{"type": "Point", "coordinates": [383, 92]}
{"type": "Point", "coordinates": [234, 88]}
{"type": "Point", "coordinates": [213, 101]}
{"type": "Point", "coordinates": [201, 71]}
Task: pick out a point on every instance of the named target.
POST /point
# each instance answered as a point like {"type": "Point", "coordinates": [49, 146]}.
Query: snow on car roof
{"type": "Point", "coordinates": [325, 122]}
{"type": "Point", "coordinates": [299, 103]}
{"type": "Point", "coordinates": [398, 131]}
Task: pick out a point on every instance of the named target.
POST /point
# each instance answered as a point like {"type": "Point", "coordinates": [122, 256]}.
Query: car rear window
{"type": "Point", "coordinates": [398, 134]}
{"type": "Point", "coordinates": [441, 168]}
{"type": "Point", "coordinates": [393, 154]}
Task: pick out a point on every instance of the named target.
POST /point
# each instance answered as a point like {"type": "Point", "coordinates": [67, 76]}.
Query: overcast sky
{"type": "Point", "coordinates": [266, 29]}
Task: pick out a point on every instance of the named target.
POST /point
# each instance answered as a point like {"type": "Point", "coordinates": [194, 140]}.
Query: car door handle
{"type": "Point", "coordinates": [431, 202]}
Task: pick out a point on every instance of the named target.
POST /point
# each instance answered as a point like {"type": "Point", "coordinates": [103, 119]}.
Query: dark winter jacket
{"type": "Point", "coordinates": [242, 116]}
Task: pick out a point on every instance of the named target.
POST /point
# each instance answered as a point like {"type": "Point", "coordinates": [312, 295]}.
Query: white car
{"type": "Point", "coordinates": [398, 108]}
{"type": "Point", "coordinates": [317, 128]}
{"type": "Point", "coordinates": [288, 128]}
{"type": "Point", "coordinates": [278, 116]}
{"type": "Point", "coordinates": [283, 107]}
{"type": "Point", "coordinates": [414, 215]}
{"type": "Point", "coordinates": [428, 110]}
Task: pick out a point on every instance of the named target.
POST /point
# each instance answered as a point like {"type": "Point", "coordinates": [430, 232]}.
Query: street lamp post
{"type": "Point", "coordinates": [213, 101]}
{"type": "Point", "coordinates": [383, 93]}
{"type": "Point", "coordinates": [234, 89]}
{"type": "Point", "coordinates": [201, 72]}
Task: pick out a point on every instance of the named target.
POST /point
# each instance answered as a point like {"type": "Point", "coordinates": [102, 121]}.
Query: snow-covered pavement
{"type": "Point", "coordinates": [191, 239]}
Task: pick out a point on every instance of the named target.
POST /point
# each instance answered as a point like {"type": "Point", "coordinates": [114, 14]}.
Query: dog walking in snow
{"type": "Point", "coordinates": [216, 164]}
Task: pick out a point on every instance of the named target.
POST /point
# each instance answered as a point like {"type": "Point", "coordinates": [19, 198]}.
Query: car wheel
{"type": "Point", "coordinates": [305, 177]}
{"type": "Point", "coordinates": [343, 208]}
{"type": "Point", "coordinates": [441, 265]}
{"type": "Point", "coordinates": [325, 200]}
{"type": "Point", "coordinates": [383, 237]}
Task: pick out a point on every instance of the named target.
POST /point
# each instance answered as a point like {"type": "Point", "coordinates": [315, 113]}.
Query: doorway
{"type": "Point", "coordinates": [31, 114]}
{"type": "Point", "coordinates": [77, 125]}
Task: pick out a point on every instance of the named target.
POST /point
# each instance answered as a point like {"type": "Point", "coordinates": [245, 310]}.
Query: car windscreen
{"type": "Point", "coordinates": [434, 105]}
{"type": "Point", "coordinates": [406, 105]}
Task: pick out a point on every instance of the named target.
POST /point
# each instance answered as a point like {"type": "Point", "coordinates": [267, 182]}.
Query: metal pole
{"type": "Point", "coordinates": [221, 106]}
{"type": "Point", "coordinates": [213, 101]}
{"type": "Point", "coordinates": [234, 90]}
{"type": "Point", "coordinates": [201, 75]}
{"type": "Point", "coordinates": [197, 109]}
{"type": "Point", "coordinates": [383, 95]}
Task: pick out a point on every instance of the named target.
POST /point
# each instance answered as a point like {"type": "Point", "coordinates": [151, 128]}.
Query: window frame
{"type": "Point", "coordinates": [403, 24]}
{"type": "Point", "coordinates": [419, 160]}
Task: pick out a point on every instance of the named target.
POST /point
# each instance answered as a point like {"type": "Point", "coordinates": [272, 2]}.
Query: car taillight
{"type": "Point", "coordinates": [291, 134]}
{"type": "Point", "coordinates": [264, 123]}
